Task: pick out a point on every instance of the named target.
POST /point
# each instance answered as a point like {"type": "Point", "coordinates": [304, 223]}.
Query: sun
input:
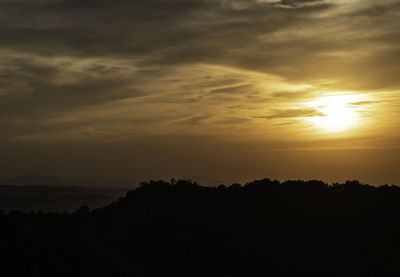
{"type": "Point", "coordinates": [337, 113]}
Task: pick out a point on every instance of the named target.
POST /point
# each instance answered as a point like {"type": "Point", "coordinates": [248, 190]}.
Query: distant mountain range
{"type": "Point", "coordinates": [30, 180]}
{"type": "Point", "coordinates": [51, 194]}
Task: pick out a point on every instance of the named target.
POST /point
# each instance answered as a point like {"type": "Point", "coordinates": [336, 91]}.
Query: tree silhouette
{"type": "Point", "coordinates": [179, 228]}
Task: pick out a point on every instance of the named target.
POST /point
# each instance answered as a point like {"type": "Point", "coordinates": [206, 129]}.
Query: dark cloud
{"type": "Point", "coordinates": [41, 95]}
{"type": "Point", "coordinates": [196, 29]}
{"type": "Point", "coordinates": [233, 120]}
{"type": "Point", "coordinates": [297, 3]}
{"type": "Point", "coordinates": [236, 89]}
{"type": "Point", "coordinates": [194, 120]}
{"type": "Point", "coordinates": [237, 33]}
{"type": "Point", "coordinates": [245, 107]}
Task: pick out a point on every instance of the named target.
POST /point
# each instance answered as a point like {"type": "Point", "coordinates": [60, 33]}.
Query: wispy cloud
{"type": "Point", "coordinates": [151, 67]}
{"type": "Point", "coordinates": [291, 114]}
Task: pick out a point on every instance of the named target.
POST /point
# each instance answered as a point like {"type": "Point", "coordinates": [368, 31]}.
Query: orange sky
{"type": "Point", "coordinates": [225, 90]}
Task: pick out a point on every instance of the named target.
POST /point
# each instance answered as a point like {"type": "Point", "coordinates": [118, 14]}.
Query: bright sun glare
{"type": "Point", "coordinates": [337, 112]}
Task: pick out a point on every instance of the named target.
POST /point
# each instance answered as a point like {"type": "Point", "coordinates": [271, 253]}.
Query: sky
{"type": "Point", "coordinates": [214, 90]}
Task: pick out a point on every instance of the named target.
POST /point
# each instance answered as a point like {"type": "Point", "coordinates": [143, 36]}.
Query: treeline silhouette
{"type": "Point", "coordinates": [178, 228]}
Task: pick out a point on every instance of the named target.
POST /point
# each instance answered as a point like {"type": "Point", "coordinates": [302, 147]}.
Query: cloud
{"type": "Point", "coordinates": [233, 120]}
{"type": "Point", "coordinates": [292, 114]}
{"type": "Point", "coordinates": [163, 66]}
{"type": "Point", "coordinates": [32, 87]}
{"type": "Point", "coordinates": [236, 89]}
{"type": "Point", "coordinates": [194, 120]}
{"type": "Point", "coordinates": [361, 103]}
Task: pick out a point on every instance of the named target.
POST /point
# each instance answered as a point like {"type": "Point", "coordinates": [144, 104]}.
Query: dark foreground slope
{"type": "Point", "coordinates": [265, 228]}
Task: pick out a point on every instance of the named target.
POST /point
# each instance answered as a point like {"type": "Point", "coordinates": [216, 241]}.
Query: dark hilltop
{"type": "Point", "coordinates": [179, 228]}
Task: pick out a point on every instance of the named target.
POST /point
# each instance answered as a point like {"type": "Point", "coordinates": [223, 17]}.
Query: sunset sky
{"type": "Point", "coordinates": [215, 90]}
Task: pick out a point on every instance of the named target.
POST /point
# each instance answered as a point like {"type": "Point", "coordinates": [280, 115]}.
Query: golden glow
{"type": "Point", "coordinates": [337, 113]}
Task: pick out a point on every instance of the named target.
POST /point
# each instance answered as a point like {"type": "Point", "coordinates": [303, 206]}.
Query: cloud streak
{"type": "Point", "coordinates": [292, 114]}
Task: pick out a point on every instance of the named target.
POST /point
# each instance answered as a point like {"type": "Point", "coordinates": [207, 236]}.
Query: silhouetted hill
{"type": "Point", "coordinates": [178, 228]}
